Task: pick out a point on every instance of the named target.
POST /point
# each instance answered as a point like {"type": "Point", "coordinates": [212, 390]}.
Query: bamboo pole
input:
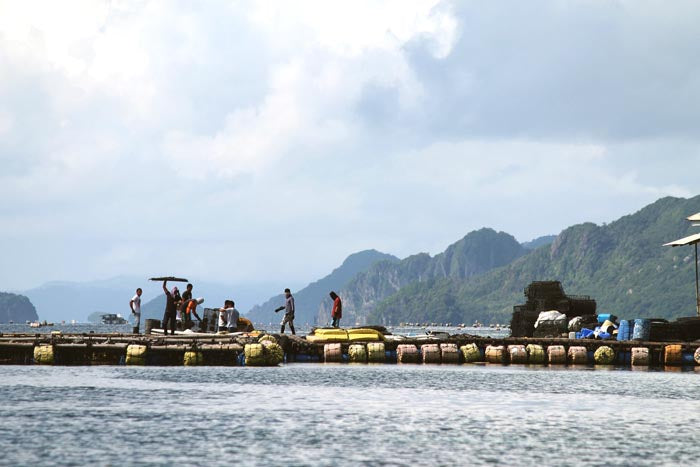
{"type": "Point", "coordinates": [697, 288]}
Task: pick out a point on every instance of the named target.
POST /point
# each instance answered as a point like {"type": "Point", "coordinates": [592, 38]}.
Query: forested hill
{"type": "Point", "coordinates": [478, 252]}
{"type": "Point", "coordinates": [623, 265]}
{"type": "Point", "coordinates": [307, 299]}
{"type": "Point", "coordinates": [16, 308]}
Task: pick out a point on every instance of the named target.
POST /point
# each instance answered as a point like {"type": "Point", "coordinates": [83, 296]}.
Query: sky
{"type": "Point", "coordinates": [265, 141]}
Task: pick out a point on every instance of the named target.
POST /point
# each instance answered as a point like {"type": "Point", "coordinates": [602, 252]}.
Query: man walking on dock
{"type": "Point", "coordinates": [135, 305]}
{"type": "Point", "coordinates": [288, 311]}
{"type": "Point", "coordinates": [337, 311]}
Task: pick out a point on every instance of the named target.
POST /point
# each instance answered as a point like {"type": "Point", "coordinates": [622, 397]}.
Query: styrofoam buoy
{"type": "Point", "coordinates": [556, 355]}
{"type": "Point", "coordinates": [193, 358]}
{"type": "Point", "coordinates": [274, 355]}
{"type": "Point", "coordinates": [431, 353]}
{"type": "Point", "coordinates": [696, 355]}
{"type": "Point", "coordinates": [376, 352]}
{"type": "Point", "coordinates": [577, 355]}
{"type": "Point", "coordinates": [254, 355]}
{"type": "Point", "coordinates": [495, 354]}
{"type": "Point", "coordinates": [673, 355]}
{"type": "Point", "coordinates": [604, 355]}
{"type": "Point", "coordinates": [136, 354]}
{"type": "Point", "coordinates": [357, 353]}
{"type": "Point", "coordinates": [449, 353]}
{"type": "Point", "coordinates": [640, 356]}
{"type": "Point", "coordinates": [333, 353]}
{"type": "Point", "coordinates": [535, 353]}
{"type": "Point", "coordinates": [43, 354]}
{"type": "Point", "coordinates": [407, 353]}
{"type": "Point", "coordinates": [470, 353]}
{"type": "Point", "coordinates": [517, 354]}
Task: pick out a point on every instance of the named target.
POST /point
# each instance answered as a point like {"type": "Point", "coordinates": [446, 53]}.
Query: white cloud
{"type": "Point", "coordinates": [281, 137]}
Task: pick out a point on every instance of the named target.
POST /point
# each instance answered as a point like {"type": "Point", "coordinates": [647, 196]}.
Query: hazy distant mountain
{"type": "Point", "coordinates": [56, 301]}
{"type": "Point", "coordinates": [623, 265]}
{"type": "Point", "coordinates": [476, 253]}
{"type": "Point", "coordinates": [540, 241]}
{"type": "Point", "coordinates": [307, 300]}
{"type": "Point", "coordinates": [16, 308]}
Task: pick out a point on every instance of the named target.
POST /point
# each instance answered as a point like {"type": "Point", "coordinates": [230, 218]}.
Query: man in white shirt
{"type": "Point", "coordinates": [223, 315]}
{"type": "Point", "coordinates": [135, 305]}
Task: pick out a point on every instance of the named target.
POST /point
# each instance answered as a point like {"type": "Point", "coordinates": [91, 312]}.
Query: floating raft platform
{"type": "Point", "coordinates": [260, 349]}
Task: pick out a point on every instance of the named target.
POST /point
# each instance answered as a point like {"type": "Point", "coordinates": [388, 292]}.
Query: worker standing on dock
{"type": "Point", "coordinates": [232, 317]}
{"type": "Point", "coordinates": [337, 311]}
{"type": "Point", "coordinates": [171, 299]}
{"type": "Point", "coordinates": [288, 311]}
{"type": "Point", "coordinates": [135, 305]}
{"type": "Point", "coordinates": [181, 317]}
{"type": "Point", "coordinates": [189, 308]}
{"type": "Point", "coordinates": [223, 315]}
{"type": "Point", "coordinates": [187, 294]}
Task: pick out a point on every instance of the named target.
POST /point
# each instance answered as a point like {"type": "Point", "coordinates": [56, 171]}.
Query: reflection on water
{"type": "Point", "coordinates": [347, 414]}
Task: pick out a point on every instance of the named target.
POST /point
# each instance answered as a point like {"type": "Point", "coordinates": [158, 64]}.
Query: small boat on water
{"type": "Point", "coordinates": [39, 324]}
{"type": "Point", "coordinates": [112, 318]}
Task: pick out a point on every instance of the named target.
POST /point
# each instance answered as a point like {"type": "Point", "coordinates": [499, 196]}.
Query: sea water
{"type": "Point", "coordinates": [316, 414]}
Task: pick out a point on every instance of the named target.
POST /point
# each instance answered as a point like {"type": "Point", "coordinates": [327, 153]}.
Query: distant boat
{"type": "Point", "coordinates": [111, 318]}
{"type": "Point", "coordinates": [39, 324]}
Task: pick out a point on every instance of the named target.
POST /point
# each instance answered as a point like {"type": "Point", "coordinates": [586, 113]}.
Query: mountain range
{"type": "Point", "coordinates": [623, 265]}
{"type": "Point", "coordinates": [16, 308]}
{"type": "Point", "coordinates": [476, 253]}
{"type": "Point", "coordinates": [480, 277]}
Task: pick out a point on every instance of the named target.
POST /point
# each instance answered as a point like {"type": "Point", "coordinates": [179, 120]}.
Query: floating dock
{"type": "Point", "coordinates": [259, 349]}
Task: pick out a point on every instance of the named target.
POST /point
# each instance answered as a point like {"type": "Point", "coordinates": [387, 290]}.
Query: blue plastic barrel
{"type": "Point", "coordinates": [688, 358]}
{"type": "Point", "coordinates": [624, 358]}
{"type": "Point", "coordinates": [606, 316]}
{"type": "Point", "coordinates": [624, 333]}
{"type": "Point", "coordinates": [642, 330]}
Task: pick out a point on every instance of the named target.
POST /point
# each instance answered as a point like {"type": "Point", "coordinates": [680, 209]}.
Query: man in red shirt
{"type": "Point", "coordinates": [337, 311]}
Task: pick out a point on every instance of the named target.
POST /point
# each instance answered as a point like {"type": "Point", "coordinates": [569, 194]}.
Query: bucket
{"type": "Point", "coordinates": [151, 324]}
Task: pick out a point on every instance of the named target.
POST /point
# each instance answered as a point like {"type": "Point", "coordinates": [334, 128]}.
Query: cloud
{"type": "Point", "coordinates": [255, 139]}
